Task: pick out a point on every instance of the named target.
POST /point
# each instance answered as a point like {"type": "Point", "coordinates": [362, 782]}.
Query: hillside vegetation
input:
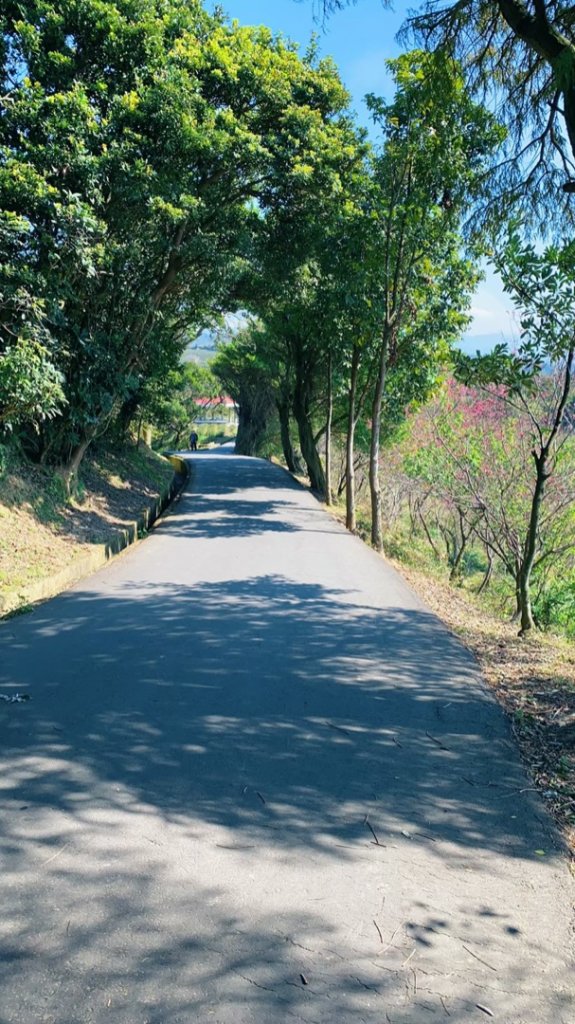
{"type": "Point", "coordinates": [43, 532]}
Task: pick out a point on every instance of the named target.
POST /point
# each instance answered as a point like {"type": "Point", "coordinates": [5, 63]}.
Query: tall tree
{"type": "Point", "coordinates": [436, 142]}
{"type": "Point", "coordinates": [300, 291]}
{"type": "Point", "coordinates": [242, 369]}
{"type": "Point", "coordinates": [133, 140]}
{"type": "Point", "coordinates": [542, 286]}
{"type": "Point", "coordinates": [520, 56]}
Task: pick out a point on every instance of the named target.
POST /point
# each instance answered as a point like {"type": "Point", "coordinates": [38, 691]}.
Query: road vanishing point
{"type": "Point", "coordinates": [258, 781]}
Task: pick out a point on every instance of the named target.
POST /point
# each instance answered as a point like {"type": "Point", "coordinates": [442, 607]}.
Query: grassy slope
{"type": "Point", "coordinates": [41, 532]}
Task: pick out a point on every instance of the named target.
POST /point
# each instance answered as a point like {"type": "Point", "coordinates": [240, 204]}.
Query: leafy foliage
{"type": "Point", "coordinates": [133, 142]}
{"type": "Point", "coordinates": [244, 374]}
{"type": "Point", "coordinates": [519, 59]}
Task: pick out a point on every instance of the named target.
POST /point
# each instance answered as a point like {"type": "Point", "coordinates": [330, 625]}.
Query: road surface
{"type": "Point", "coordinates": [257, 781]}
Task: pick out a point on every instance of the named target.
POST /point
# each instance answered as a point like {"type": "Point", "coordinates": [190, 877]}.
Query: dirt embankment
{"type": "Point", "coordinates": [42, 533]}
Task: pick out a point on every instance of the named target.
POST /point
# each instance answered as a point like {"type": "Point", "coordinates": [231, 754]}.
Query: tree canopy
{"type": "Point", "coordinates": [138, 145]}
{"type": "Point", "coordinates": [519, 58]}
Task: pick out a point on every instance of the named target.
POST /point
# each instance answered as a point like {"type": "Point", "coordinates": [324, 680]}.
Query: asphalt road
{"type": "Point", "coordinates": [257, 781]}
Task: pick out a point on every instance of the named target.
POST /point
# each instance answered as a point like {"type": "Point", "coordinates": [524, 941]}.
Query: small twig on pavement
{"type": "Point", "coordinates": [484, 962]}
{"type": "Point", "coordinates": [337, 728]}
{"type": "Point", "coordinates": [377, 842]}
{"type": "Point", "coordinates": [439, 743]}
{"type": "Point", "coordinates": [57, 854]}
{"type": "Point", "coordinates": [485, 1009]}
{"type": "Point", "coordinates": [379, 932]}
{"type": "Point", "coordinates": [390, 943]}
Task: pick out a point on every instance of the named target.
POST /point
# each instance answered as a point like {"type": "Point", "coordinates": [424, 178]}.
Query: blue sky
{"type": "Point", "coordinates": [360, 39]}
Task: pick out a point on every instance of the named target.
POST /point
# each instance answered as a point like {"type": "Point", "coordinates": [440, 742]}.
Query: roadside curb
{"type": "Point", "coordinates": [121, 538]}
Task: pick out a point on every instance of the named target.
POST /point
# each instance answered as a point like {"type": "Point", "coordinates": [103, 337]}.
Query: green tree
{"type": "Point", "coordinates": [520, 53]}
{"type": "Point", "coordinates": [436, 144]}
{"type": "Point", "coordinates": [169, 402]}
{"type": "Point", "coordinates": [542, 287]}
{"type": "Point", "coordinates": [299, 293]}
{"type": "Point", "coordinates": [245, 376]}
{"type": "Point", "coordinates": [30, 385]}
{"type": "Point", "coordinates": [520, 56]}
{"type": "Point", "coordinates": [133, 143]}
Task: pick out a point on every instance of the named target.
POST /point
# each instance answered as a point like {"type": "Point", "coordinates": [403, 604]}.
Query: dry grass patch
{"type": "Point", "coordinates": [42, 532]}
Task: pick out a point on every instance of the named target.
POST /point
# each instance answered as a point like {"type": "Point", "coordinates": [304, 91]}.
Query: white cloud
{"type": "Point", "coordinates": [492, 310]}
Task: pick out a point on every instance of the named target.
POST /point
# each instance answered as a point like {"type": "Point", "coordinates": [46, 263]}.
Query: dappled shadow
{"type": "Point", "coordinates": [319, 732]}
{"type": "Point", "coordinates": [269, 687]}
{"type": "Point", "coordinates": [236, 518]}
{"type": "Point", "coordinates": [210, 778]}
{"type": "Point", "coordinates": [244, 509]}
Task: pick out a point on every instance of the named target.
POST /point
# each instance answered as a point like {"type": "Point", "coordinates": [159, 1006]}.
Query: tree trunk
{"type": "Point", "coordinates": [126, 414]}
{"type": "Point", "coordinates": [524, 579]}
{"type": "Point", "coordinates": [433, 546]}
{"type": "Point", "coordinates": [374, 481]}
{"type": "Point", "coordinates": [309, 451]}
{"type": "Point", "coordinates": [255, 409]}
{"type": "Point", "coordinates": [68, 472]}
{"type": "Point", "coordinates": [252, 424]}
{"type": "Point", "coordinates": [456, 562]}
{"type": "Point", "coordinates": [349, 445]}
{"type": "Point", "coordinates": [488, 573]}
{"type": "Point", "coordinates": [526, 613]}
{"type": "Point", "coordinates": [542, 474]}
{"type": "Point", "coordinates": [287, 447]}
{"type": "Point", "coordinates": [459, 549]}
{"type": "Point", "coordinates": [328, 488]}
{"type": "Point", "coordinates": [308, 447]}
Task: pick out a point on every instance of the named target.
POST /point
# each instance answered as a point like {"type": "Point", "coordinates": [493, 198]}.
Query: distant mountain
{"type": "Point", "coordinates": [201, 349]}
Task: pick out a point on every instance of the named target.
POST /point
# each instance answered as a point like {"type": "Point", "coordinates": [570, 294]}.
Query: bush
{"type": "Point", "coordinates": [30, 385]}
{"type": "Point", "coordinates": [555, 607]}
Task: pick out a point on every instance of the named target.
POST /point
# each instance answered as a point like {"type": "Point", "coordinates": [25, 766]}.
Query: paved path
{"type": "Point", "coordinates": [259, 782]}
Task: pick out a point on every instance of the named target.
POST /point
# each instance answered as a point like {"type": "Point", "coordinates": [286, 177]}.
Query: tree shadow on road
{"type": "Point", "coordinates": [263, 715]}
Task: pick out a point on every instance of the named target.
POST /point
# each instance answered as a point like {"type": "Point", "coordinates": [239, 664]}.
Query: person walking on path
{"type": "Point", "coordinates": [193, 441]}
